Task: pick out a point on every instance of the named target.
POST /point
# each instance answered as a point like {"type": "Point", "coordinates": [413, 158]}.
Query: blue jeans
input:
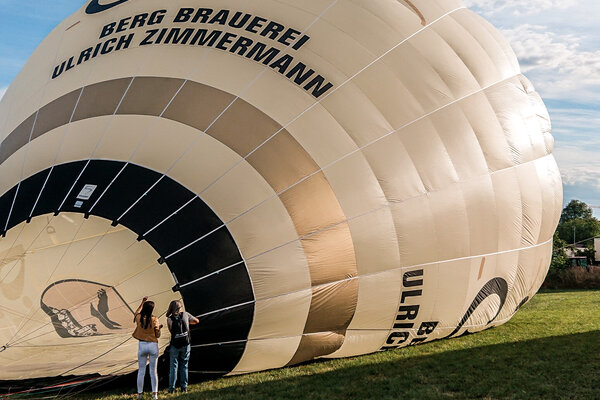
{"type": "Point", "coordinates": [179, 358]}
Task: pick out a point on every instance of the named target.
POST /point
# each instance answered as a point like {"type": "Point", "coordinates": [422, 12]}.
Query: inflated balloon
{"type": "Point", "coordinates": [312, 178]}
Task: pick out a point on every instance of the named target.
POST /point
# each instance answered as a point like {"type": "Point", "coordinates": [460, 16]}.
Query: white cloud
{"type": "Point", "coordinates": [518, 7]}
{"type": "Point", "coordinates": [555, 63]}
{"type": "Point", "coordinates": [578, 166]}
{"type": "Point", "coordinates": [2, 91]}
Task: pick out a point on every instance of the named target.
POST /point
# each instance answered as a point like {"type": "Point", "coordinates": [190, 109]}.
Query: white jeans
{"type": "Point", "coordinates": [147, 350]}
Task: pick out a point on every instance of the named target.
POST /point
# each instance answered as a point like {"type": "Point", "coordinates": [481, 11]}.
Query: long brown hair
{"type": "Point", "coordinates": [174, 307]}
{"type": "Point", "coordinates": [146, 314]}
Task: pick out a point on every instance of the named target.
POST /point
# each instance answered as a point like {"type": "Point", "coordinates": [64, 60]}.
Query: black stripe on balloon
{"type": "Point", "coordinates": [98, 173]}
{"type": "Point", "coordinates": [182, 230]}
{"type": "Point", "coordinates": [522, 303]}
{"type": "Point", "coordinates": [497, 286]}
{"type": "Point", "coordinates": [129, 186]}
{"type": "Point", "coordinates": [162, 200]}
{"type": "Point", "coordinates": [6, 202]}
{"type": "Point", "coordinates": [216, 357]}
{"type": "Point", "coordinates": [216, 297]}
{"type": "Point", "coordinates": [224, 326]}
{"type": "Point", "coordinates": [26, 197]}
{"type": "Point", "coordinates": [224, 290]}
{"type": "Point", "coordinates": [59, 183]}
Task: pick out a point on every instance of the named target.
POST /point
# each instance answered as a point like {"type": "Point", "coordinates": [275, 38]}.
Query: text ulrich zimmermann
{"type": "Point", "coordinates": [235, 43]}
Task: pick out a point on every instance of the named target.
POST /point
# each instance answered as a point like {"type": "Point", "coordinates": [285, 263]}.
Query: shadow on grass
{"type": "Point", "coordinates": [562, 367]}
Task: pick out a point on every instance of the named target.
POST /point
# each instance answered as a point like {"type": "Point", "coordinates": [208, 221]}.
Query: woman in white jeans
{"type": "Point", "coordinates": [147, 331]}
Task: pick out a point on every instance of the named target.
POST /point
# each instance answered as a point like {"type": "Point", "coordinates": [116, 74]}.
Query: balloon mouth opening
{"type": "Point", "coordinates": [69, 288]}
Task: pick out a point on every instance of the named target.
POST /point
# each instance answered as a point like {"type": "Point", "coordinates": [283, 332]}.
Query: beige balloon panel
{"type": "Point", "coordinates": [376, 106]}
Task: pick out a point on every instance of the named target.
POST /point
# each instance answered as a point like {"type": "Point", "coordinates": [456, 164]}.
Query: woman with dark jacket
{"type": "Point", "coordinates": [178, 322]}
{"type": "Point", "coordinates": [147, 332]}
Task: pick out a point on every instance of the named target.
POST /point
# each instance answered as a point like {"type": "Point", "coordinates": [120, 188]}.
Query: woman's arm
{"type": "Point", "coordinates": [193, 320]}
{"type": "Point", "coordinates": [139, 309]}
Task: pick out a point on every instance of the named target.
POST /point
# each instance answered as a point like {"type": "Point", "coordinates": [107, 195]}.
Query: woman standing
{"type": "Point", "coordinates": [147, 331]}
{"type": "Point", "coordinates": [179, 323]}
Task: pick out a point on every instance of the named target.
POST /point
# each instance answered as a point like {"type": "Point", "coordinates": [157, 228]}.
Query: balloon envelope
{"type": "Point", "coordinates": [311, 178]}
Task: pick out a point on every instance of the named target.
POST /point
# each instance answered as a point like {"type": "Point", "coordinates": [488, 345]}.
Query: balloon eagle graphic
{"type": "Point", "coordinates": [312, 178]}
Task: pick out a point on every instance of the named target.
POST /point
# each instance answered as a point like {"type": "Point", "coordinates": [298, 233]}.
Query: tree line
{"type": "Point", "coordinates": [576, 230]}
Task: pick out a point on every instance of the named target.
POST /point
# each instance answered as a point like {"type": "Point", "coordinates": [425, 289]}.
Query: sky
{"type": "Point", "coordinates": [557, 43]}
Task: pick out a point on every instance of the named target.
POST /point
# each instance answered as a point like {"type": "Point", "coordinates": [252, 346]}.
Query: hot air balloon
{"type": "Point", "coordinates": [312, 178]}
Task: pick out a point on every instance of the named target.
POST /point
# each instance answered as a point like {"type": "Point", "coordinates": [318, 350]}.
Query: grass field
{"type": "Point", "coordinates": [549, 350]}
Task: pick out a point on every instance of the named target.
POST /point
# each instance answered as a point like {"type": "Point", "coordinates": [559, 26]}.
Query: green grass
{"type": "Point", "coordinates": [549, 350]}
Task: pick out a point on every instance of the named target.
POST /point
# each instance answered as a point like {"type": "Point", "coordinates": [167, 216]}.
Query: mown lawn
{"type": "Point", "coordinates": [549, 350]}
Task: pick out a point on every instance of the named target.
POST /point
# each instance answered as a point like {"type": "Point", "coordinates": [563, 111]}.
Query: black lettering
{"type": "Point", "coordinates": [257, 22]}
{"type": "Point", "coordinates": [410, 274]}
{"type": "Point", "coordinates": [85, 55]}
{"type": "Point", "coordinates": [404, 325]}
{"type": "Point", "coordinates": [427, 327]}
{"type": "Point", "coordinates": [298, 70]}
{"type": "Point", "coordinates": [122, 25]}
{"type": "Point", "coordinates": [273, 29]}
{"type": "Point", "coordinates": [157, 17]}
{"type": "Point", "coordinates": [161, 36]}
{"type": "Point", "coordinates": [261, 54]}
{"type": "Point", "coordinates": [139, 20]}
{"type": "Point", "coordinates": [226, 39]}
{"type": "Point", "coordinates": [220, 18]}
{"type": "Point", "coordinates": [202, 14]}
{"type": "Point", "coordinates": [242, 44]}
{"type": "Point", "coordinates": [58, 70]}
{"type": "Point", "coordinates": [108, 46]}
{"type": "Point", "coordinates": [407, 312]}
{"type": "Point", "coordinates": [108, 29]}
{"type": "Point", "coordinates": [319, 86]}
{"type": "Point", "coordinates": [282, 63]}
{"type": "Point", "coordinates": [201, 38]}
{"type": "Point", "coordinates": [124, 42]}
{"type": "Point", "coordinates": [235, 21]}
{"type": "Point", "coordinates": [300, 42]}
{"type": "Point", "coordinates": [397, 338]}
{"type": "Point", "coordinates": [149, 34]}
{"type": "Point", "coordinates": [288, 37]}
{"type": "Point", "coordinates": [70, 64]}
{"type": "Point", "coordinates": [97, 49]}
{"type": "Point", "coordinates": [175, 36]}
{"type": "Point", "coordinates": [183, 15]}
{"type": "Point", "coordinates": [410, 293]}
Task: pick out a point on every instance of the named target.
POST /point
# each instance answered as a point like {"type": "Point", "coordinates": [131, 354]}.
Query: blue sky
{"type": "Point", "coordinates": [557, 42]}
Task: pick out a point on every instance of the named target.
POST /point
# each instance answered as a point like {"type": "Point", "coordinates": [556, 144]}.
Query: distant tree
{"type": "Point", "coordinates": [577, 223]}
{"type": "Point", "coordinates": [579, 229]}
{"type": "Point", "coordinates": [575, 209]}
{"type": "Point", "coordinates": [560, 260]}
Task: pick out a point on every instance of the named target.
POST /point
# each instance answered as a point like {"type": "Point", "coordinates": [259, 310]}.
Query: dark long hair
{"type": "Point", "coordinates": [174, 307]}
{"type": "Point", "coordinates": [146, 314]}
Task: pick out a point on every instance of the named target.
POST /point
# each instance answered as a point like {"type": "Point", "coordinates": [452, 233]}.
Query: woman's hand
{"type": "Point", "coordinates": [145, 299]}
